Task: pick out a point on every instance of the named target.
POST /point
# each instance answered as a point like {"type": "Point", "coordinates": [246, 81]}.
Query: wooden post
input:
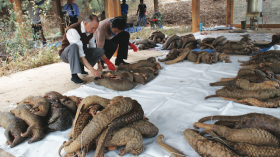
{"type": "Point", "coordinates": [155, 4]}
{"type": "Point", "coordinates": [118, 9]}
{"type": "Point", "coordinates": [195, 15]}
{"type": "Point", "coordinates": [18, 12]}
{"type": "Point", "coordinates": [106, 5]}
{"type": "Point", "coordinates": [59, 11]}
{"type": "Point", "coordinates": [112, 8]}
{"type": "Point", "coordinates": [17, 9]}
{"type": "Point", "coordinates": [229, 20]}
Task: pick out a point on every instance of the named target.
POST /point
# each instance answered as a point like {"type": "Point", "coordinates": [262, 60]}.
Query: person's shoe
{"type": "Point", "coordinates": [119, 61]}
{"type": "Point", "coordinates": [75, 78]}
{"type": "Point", "coordinates": [84, 73]}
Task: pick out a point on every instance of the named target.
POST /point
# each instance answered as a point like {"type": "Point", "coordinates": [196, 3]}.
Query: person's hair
{"type": "Point", "coordinates": [124, 1]}
{"type": "Point", "coordinates": [119, 23]}
{"type": "Point", "coordinates": [141, 0]}
{"type": "Point", "coordinates": [90, 18]}
{"type": "Point", "coordinates": [103, 12]}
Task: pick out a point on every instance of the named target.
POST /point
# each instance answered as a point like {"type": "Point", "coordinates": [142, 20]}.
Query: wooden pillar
{"type": "Point", "coordinates": [112, 8]}
{"type": "Point", "coordinates": [195, 15]}
{"type": "Point", "coordinates": [229, 20]}
{"type": "Point", "coordinates": [119, 9]}
{"type": "Point", "coordinates": [155, 4]}
{"type": "Point", "coordinates": [18, 12]}
{"type": "Point", "coordinates": [17, 9]}
{"type": "Point", "coordinates": [106, 5]}
{"type": "Point", "coordinates": [59, 11]}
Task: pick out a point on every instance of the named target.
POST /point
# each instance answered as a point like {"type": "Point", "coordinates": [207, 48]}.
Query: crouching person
{"type": "Point", "coordinates": [78, 48]}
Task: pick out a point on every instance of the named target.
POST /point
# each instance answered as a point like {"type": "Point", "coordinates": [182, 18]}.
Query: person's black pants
{"type": "Point", "coordinates": [111, 45]}
{"type": "Point", "coordinates": [73, 19]}
{"type": "Point", "coordinates": [37, 29]}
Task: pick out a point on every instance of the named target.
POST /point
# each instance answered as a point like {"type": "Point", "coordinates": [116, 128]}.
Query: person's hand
{"type": "Point", "coordinates": [95, 73]}
{"type": "Point", "coordinates": [145, 13]}
{"type": "Point", "coordinates": [136, 14]}
{"type": "Point", "coordinates": [154, 20]}
{"type": "Point", "coordinates": [111, 66]}
{"type": "Point", "coordinates": [133, 47]}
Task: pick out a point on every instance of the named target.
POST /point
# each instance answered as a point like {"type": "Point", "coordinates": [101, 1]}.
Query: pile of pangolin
{"type": "Point", "coordinates": [127, 76]}
{"type": "Point", "coordinates": [36, 115]}
{"type": "Point", "coordinates": [252, 135]}
{"type": "Point", "coordinates": [255, 84]}
{"type": "Point", "coordinates": [156, 37]}
{"type": "Point", "coordinates": [183, 51]}
{"type": "Point", "coordinates": [108, 123]}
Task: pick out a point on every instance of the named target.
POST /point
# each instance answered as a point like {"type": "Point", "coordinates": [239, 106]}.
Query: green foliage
{"type": "Point", "coordinates": [5, 4]}
{"type": "Point", "coordinates": [96, 6]}
{"type": "Point", "coordinates": [18, 44]}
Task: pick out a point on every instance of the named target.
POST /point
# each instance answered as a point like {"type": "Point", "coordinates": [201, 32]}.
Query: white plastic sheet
{"type": "Point", "coordinates": [173, 102]}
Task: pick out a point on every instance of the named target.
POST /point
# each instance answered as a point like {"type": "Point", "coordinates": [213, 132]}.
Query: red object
{"type": "Point", "coordinates": [110, 64]}
{"type": "Point", "coordinates": [133, 47]}
{"type": "Point", "coordinates": [11, 1]}
{"type": "Point", "coordinates": [154, 20]}
{"type": "Point", "coordinates": [145, 13]}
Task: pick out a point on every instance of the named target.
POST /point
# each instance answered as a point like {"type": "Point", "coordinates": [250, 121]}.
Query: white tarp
{"type": "Point", "coordinates": [173, 102]}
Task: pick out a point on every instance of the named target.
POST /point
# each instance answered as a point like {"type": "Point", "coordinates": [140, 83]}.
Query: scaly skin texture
{"type": "Point", "coordinates": [208, 40]}
{"type": "Point", "coordinates": [171, 45]}
{"type": "Point", "coordinates": [118, 85]}
{"type": "Point", "coordinates": [59, 117]}
{"type": "Point", "coordinates": [181, 57]}
{"type": "Point", "coordinates": [266, 53]}
{"type": "Point", "coordinates": [168, 41]}
{"type": "Point", "coordinates": [172, 54]}
{"type": "Point", "coordinates": [139, 64]}
{"type": "Point", "coordinates": [125, 75]}
{"type": "Point", "coordinates": [208, 58]}
{"type": "Point", "coordinates": [256, 102]}
{"type": "Point", "coordinates": [34, 122]}
{"type": "Point", "coordinates": [131, 138]}
{"type": "Point", "coordinates": [85, 104]}
{"type": "Point", "coordinates": [82, 121]}
{"type": "Point", "coordinates": [171, 150]}
{"type": "Point", "coordinates": [257, 151]}
{"type": "Point", "coordinates": [224, 58]}
{"type": "Point", "coordinates": [146, 128]}
{"type": "Point", "coordinates": [192, 56]}
{"type": "Point", "coordinates": [200, 56]}
{"type": "Point", "coordinates": [232, 82]}
{"type": "Point", "coordinates": [225, 123]}
{"type": "Point", "coordinates": [206, 147]}
{"type": "Point", "coordinates": [14, 126]}
{"type": "Point", "coordinates": [100, 122]}
{"type": "Point", "coordinates": [135, 114]}
{"type": "Point", "coordinates": [217, 40]}
{"type": "Point", "coordinates": [251, 120]}
{"type": "Point", "coordinates": [246, 85]}
{"type": "Point", "coordinates": [148, 74]}
{"type": "Point", "coordinates": [231, 92]}
{"type": "Point", "coordinates": [187, 41]}
{"type": "Point", "coordinates": [40, 105]}
{"type": "Point", "coordinates": [244, 135]}
{"type": "Point", "coordinates": [68, 102]}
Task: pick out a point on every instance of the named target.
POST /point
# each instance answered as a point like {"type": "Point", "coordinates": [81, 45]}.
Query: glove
{"type": "Point", "coordinates": [133, 47]}
{"type": "Point", "coordinates": [110, 64]}
{"type": "Point", "coordinates": [154, 20]}
{"type": "Point", "coordinates": [145, 13]}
